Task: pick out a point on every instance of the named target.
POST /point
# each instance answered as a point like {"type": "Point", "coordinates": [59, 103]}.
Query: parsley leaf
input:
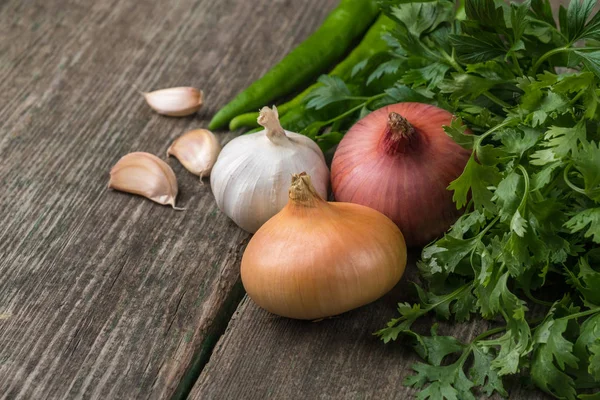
{"type": "Point", "coordinates": [477, 179]}
{"type": "Point", "coordinates": [483, 374]}
{"type": "Point", "coordinates": [552, 355]}
{"type": "Point", "coordinates": [333, 89]}
{"type": "Point", "coordinates": [477, 49]}
{"type": "Point", "coordinates": [458, 131]}
{"type": "Point", "coordinates": [559, 142]}
{"type": "Point", "coordinates": [577, 14]}
{"type": "Point", "coordinates": [591, 59]}
{"type": "Point", "coordinates": [465, 86]}
{"type": "Point", "coordinates": [587, 162]}
{"type": "Point", "coordinates": [588, 219]}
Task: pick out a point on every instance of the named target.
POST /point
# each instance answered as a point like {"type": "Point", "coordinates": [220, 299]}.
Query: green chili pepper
{"type": "Point", "coordinates": [328, 43]}
{"type": "Point", "coordinates": [371, 44]}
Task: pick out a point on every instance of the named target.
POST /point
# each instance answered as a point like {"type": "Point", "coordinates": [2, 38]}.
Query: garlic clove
{"type": "Point", "coordinates": [175, 102]}
{"type": "Point", "coordinates": [146, 175]}
{"type": "Point", "coordinates": [197, 150]}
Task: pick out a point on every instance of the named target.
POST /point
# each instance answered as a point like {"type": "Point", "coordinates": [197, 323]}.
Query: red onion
{"type": "Point", "coordinates": [399, 161]}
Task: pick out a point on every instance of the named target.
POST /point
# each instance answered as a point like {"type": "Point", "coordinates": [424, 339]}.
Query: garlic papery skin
{"type": "Point", "coordinates": [175, 102]}
{"type": "Point", "coordinates": [146, 175]}
{"type": "Point", "coordinates": [316, 259]}
{"type": "Point", "coordinates": [197, 151]}
{"type": "Point", "coordinates": [250, 179]}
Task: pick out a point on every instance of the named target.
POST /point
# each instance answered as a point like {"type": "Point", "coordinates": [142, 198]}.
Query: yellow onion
{"type": "Point", "coordinates": [316, 259]}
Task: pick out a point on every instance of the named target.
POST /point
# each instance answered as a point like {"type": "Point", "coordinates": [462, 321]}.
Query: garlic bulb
{"type": "Point", "coordinates": [197, 150]}
{"type": "Point", "coordinates": [251, 176]}
{"type": "Point", "coordinates": [146, 175]}
{"type": "Point", "coordinates": [175, 102]}
{"type": "Point", "coordinates": [316, 259]}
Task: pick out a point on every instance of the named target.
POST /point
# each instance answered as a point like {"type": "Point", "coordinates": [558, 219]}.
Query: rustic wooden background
{"type": "Point", "coordinates": [109, 296]}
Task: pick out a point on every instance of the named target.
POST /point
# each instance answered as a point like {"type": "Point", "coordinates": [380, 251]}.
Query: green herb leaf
{"type": "Point", "coordinates": [465, 86]}
{"type": "Point", "coordinates": [458, 131]}
{"type": "Point", "coordinates": [591, 59]}
{"type": "Point", "coordinates": [543, 10]}
{"type": "Point", "coordinates": [518, 19]}
{"type": "Point", "coordinates": [587, 162]}
{"type": "Point", "coordinates": [484, 375]}
{"type": "Point", "coordinates": [552, 354]}
{"type": "Point", "coordinates": [577, 15]}
{"type": "Point", "coordinates": [332, 90]}
{"type": "Point", "coordinates": [471, 49]}
{"type": "Point", "coordinates": [485, 12]}
{"type": "Point", "coordinates": [477, 180]}
{"type": "Point", "coordinates": [559, 142]}
{"type": "Point", "coordinates": [588, 219]}
{"type": "Point", "coordinates": [387, 68]}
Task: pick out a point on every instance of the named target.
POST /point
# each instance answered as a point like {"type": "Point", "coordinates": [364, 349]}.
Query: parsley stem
{"type": "Point", "coordinates": [571, 184]}
{"type": "Point", "coordinates": [503, 328]}
{"type": "Point", "coordinates": [526, 181]}
{"type": "Point", "coordinates": [488, 334]}
{"type": "Point", "coordinates": [354, 109]}
{"type": "Point", "coordinates": [448, 297]}
{"type": "Point", "coordinates": [357, 98]}
{"type": "Point", "coordinates": [489, 226]}
{"type": "Point", "coordinates": [515, 61]}
{"type": "Point", "coordinates": [580, 314]}
{"type": "Point", "coordinates": [492, 130]}
{"type": "Point", "coordinates": [577, 96]}
{"type": "Point", "coordinates": [431, 307]}
{"type": "Point", "coordinates": [535, 300]}
{"type": "Point", "coordinates": [452, 61]}
{"type": "Point", "coordinates": [547, 55]}
{"type": "Point", "coordinates": [496, 100]}
{"type": "Point", "coordinates": [480, 138]}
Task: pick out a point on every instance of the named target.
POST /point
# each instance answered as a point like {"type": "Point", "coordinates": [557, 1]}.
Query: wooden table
{"type": "Point", "coordinates": [104, 295]}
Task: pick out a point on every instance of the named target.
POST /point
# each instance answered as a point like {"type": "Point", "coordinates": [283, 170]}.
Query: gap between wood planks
{"type": "Point", "coordinates": [215, 331]}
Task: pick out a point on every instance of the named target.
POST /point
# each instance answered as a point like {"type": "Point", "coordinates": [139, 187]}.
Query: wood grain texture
{"type": "Point", "coordinates": [262, 356]}
{"type": "Point", "coordinates": [102, 294]}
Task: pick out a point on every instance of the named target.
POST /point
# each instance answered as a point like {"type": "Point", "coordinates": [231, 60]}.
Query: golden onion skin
{"type": "Point", "coordinates": [316, 259]}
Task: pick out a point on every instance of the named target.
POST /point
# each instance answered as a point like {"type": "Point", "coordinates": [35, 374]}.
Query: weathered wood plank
{"type": "Point", "coordinates": [102, 294]}
{"type": "Point", "coordinates": [265, 356]}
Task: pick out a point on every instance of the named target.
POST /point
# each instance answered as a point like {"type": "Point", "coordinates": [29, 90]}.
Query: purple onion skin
{"type": "Point", "coordinates": [398, 160]}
